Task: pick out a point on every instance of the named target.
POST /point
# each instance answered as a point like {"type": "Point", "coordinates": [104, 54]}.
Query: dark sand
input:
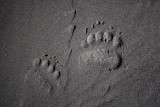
{"type": "Point", "coordinates": [80, 53]}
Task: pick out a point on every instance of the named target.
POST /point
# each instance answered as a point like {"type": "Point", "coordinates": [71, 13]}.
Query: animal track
{"type": "Point", "coordinates": [100, 48]}
{"type": "Point", "coordinates": [93, 26]}
{"type": "Point", "coordinates": [46, 68]}
{"type": "Point", "coordinates": [44, 72]}
{"type": "Point", "coordinates": [44, 79]}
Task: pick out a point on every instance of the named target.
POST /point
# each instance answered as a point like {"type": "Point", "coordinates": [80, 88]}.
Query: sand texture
{"type": "Point", "coordinates": [80, 53]}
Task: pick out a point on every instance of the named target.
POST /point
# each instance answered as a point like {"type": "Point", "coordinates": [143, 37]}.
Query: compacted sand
{"type": "Point", "coordinates": [80, 53]}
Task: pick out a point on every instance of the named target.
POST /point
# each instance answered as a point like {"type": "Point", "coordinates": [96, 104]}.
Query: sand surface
{"type": "Point", "coordinates": [79, 53]}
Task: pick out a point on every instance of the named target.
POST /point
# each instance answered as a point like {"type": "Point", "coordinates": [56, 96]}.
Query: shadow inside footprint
{"type": "Point", "coordinates": [100, 48]}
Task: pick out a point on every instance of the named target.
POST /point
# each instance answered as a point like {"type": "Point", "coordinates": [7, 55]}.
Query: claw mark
{"type": "Point", "coordinates": [57, 62]}
{"type": "Point", "coordinates": [72, 28]}
{"type": "Point", "coordinates": [98, 22]}
{"type": "Point", "coordinates": [70, 52]}
{"type": "Point", "coordinates": [86, 30]}
{"type": "Point", "coordinates": [92, 26]}
{"type": "Point", "coordinates": [72, 3]}
{"type": "Point", "coordinates": [74, 15]}
{"type": "Point", "coordinates": [102, 22]}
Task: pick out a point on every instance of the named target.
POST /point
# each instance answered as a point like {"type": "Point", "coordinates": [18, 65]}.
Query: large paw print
{"type": "Point", "coordinates": [100, 48]}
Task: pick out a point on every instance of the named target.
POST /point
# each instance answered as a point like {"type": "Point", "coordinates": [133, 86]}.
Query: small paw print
{"type": "Point", "coordinates": [42, 80]}
{"type": "Point", "coordinates": [46, 67]}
